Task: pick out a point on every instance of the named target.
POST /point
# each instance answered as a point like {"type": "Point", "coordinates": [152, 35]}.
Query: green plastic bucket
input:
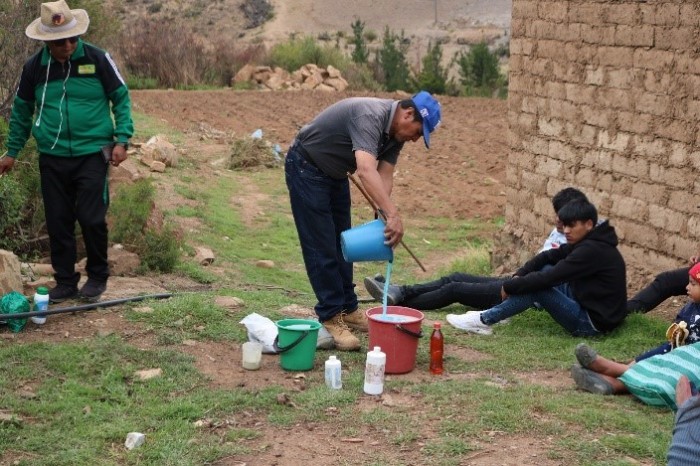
{"type": "Point", "coordinates": [296, 343]}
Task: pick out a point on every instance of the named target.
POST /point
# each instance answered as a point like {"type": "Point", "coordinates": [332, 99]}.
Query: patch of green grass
{"type": "Point", "coordinates": [449, 447]}
{"type": "Point", "coordinates": [189, 191]}
{"type": "Point", "coordinates": [87, 399]}
{"type": "Point", "coordinates": [187, 211]}
{"type": "Point", "coordinates": [190, 316]}
{"type": "Point", "coordinates": [196, 272]}
{"type": "Point", "coordinates": [475, 260]}
{"type": "Point", "coordinates": [147, 126]}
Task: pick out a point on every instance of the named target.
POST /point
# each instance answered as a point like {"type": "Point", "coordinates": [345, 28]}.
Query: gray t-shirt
{"type": "Point", "coordinates": [357, 123]}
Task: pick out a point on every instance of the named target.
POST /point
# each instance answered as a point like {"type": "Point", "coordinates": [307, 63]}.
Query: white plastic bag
{"type": "Point", "coordinates": [263, 330]}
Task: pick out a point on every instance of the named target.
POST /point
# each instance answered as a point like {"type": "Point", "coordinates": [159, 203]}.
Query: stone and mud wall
{"type": "Point", "coordinates": [605, 96]}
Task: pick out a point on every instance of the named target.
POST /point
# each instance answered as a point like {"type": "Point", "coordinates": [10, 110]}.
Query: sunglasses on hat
{"type": "Point", "coordinates": [59, 42]}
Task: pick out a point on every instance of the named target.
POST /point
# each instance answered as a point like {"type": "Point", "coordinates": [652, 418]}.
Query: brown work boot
{"type": "Point", "coordinates": [344, 339]}
{"type": "Point", "coordinates": [356, 320]}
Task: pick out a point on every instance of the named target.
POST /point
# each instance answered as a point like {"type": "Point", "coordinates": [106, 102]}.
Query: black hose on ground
{"type": "Point", "coordinates": [84, 307]}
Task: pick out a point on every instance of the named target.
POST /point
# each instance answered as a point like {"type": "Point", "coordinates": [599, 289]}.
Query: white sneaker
{"type": "Point", "coordinates": [470, 322]}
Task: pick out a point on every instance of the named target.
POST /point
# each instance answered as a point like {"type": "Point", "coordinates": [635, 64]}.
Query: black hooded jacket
{"type": "Point", "coordinates": [593, 268]}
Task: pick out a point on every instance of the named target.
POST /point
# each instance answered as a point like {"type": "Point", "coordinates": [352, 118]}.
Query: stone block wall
{"type": "Point", "coordinates": [604, 95]}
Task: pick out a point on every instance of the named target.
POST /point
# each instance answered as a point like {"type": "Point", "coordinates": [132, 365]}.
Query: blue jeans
{"type": "Point", "coordinates": [321, 210]}
{"type": "Point", "coordinates": [557, 301]}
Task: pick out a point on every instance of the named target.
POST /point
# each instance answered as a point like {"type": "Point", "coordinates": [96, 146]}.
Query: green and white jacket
{"type": "Point", "coordinates": [68, 107]}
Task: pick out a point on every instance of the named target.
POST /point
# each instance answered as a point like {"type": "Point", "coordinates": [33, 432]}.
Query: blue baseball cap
{"type": "Point", "coordinates": [429, 110]}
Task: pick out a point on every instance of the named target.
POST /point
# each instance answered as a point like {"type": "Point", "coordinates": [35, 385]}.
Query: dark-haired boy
{"type": "Point", "coordinates": [556, 238]}
{"type": "Point", "coordinates": [584, 290]}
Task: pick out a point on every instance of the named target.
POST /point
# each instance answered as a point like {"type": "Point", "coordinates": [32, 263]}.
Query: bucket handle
{"type": "Point", "coordinates": [409, 332]}
{"type": "Point", "coordinates": [279, 349]}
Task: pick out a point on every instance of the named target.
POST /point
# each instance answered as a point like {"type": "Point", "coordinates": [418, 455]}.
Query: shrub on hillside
{"type": "Point", "coordinates": [433, 76]}
{"type": "Point", "coordinates": [130, 213]}
{"type": "Point", "coordinates": [162, 250]}
{"type": "Point", "coordinates": [256, 12]}
{"type": "Point", "coordinates": [392, 67]}
{"type": "Point", "coordinates": [360, 54]}
{"type": "Point", "coordinates": [371, 36]}
{"type": "Point", "coordinates": [12, 197]}
{"type": "Point", "coordinates": [228, 59]}
{"type": "Point", "coordinates": [169, 52]}
{"type": "Point", "coordinates": [21, 206]}
{"type": "Point", "coordinates": [361, 77]}
{"type": "Point", "coordinates": [295, 53]}
{"type": "Point", "coordinates": [479, 72]}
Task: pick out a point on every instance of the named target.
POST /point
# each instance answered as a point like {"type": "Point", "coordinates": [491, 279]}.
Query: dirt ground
{"type": "Point", "coordinates": [461, 176]}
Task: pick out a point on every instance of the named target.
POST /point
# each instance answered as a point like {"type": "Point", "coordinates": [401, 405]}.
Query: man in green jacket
{"type": "Point", "coordinates": [67, 94]}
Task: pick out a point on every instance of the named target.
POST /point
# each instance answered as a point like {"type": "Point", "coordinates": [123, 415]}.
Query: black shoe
{"type": "Point", "coordinates": [376, 289]}
{"type": "Point", "coordinates": [585, 355]}
{"type": "Point", "coordinates": [92, 290]}
{"type": "Point", "coordinates": [62, 292]}
{"type": "Point", "coordinates": [379, 277]}
{"type": "Point", "coordinates": [591, 381]}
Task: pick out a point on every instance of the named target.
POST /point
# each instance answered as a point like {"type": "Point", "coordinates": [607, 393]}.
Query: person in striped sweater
{"type": "Point", "coordinates": [653, 375]}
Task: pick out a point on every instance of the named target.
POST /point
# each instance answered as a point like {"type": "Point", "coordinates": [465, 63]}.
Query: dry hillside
{"type": "Point", "coordinates": [455, 23]}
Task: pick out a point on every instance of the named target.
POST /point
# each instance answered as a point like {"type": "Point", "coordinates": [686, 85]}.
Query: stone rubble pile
{"type": "Point", "coordinates": [308, 77]}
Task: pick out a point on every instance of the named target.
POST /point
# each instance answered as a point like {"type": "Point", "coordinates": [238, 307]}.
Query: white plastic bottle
{"type": "Point", "coordinates": [333, 373]}
{"type": "Point", "coordinates": [374, 371]}
{"type": "Point", "coordinates": [41, 303]}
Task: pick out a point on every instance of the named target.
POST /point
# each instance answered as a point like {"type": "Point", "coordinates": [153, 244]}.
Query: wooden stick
{"type": "Point", "coordinates": [380, 212]}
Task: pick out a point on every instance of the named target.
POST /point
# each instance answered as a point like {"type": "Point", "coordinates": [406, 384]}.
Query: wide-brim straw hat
{"type": "Point", "coordinates": [58, 21]}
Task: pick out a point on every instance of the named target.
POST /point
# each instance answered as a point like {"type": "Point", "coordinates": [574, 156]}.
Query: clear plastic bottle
{"type": "Point", "coordinates": [41, 303]}
{"type": "Point", "coordinates": [437, 344]}
{"type": "Point", "coordinates": [374, 371]}
{"type": "Point", "coordinates": [333, 373]}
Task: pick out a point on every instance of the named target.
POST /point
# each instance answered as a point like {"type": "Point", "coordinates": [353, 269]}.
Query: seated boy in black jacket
{"type": "Point", "coordinates": [584, 290]}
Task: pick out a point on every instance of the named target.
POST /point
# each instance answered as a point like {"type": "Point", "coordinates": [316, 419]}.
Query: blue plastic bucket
{"type": "Point", "coordinates": [366, 243]}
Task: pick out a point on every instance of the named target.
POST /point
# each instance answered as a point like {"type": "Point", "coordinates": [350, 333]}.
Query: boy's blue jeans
{"type": "Point", "coordinates": [321, 210]}
{"type": "Point", "coordinates": [557, 301]}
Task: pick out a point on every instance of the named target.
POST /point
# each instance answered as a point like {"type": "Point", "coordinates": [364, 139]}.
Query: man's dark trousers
{"type": "Point", "coordinates": [75, 188]}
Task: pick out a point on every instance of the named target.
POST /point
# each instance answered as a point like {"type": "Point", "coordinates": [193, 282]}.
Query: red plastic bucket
{"type": "Point", "coordinates": [396, 336]}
